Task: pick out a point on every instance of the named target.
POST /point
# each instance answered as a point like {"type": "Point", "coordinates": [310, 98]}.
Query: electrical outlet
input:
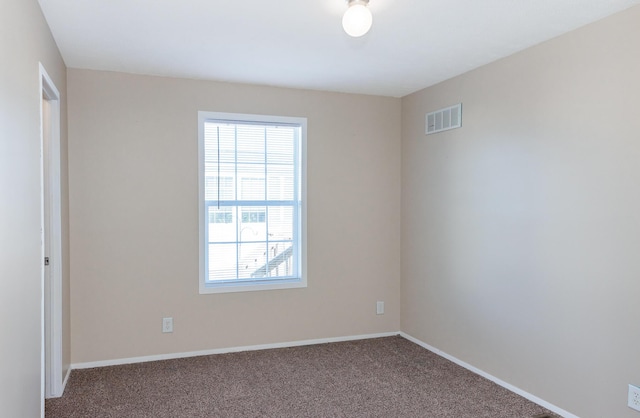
{"type": "Point", "coordinates": [379, 307]}
{"type": "Point", "coordinates": [167, 324]}
{"type": "Point", "coordinates": [634, 397]}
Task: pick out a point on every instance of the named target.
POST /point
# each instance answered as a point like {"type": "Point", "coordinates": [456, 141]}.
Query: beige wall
{"type": "Point", "coordinates": [134, 230]}
{"type": "Point", "coordinates": [25, 40]}
{"type": "Point", "coordinates": [521, 230]}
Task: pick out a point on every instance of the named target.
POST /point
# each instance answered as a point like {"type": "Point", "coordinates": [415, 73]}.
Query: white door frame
{"type": "Point", "coordinates": [51, 373]}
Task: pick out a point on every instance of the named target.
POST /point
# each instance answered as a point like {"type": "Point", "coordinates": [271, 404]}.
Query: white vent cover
{"type": "Point", "coordinates": [444, 119]}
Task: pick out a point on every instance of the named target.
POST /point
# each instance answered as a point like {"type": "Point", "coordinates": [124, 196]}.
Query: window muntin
{"type": "Point", "coordinates": [252, 231]}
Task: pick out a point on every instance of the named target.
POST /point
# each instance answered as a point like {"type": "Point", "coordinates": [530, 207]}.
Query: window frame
{"type": "Point", "coordinates": [244, 285]}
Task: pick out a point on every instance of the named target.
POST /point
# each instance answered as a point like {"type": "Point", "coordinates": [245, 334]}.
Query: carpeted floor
{"type": "Point", "coordinates": [383, 377]}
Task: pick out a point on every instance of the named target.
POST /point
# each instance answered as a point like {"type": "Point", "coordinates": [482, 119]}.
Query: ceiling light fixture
{"type": "Point", "coordinates": [357, 19]}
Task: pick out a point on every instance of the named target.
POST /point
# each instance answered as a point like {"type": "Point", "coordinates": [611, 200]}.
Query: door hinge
{"type": "Point", "coordinates": [46, 261]}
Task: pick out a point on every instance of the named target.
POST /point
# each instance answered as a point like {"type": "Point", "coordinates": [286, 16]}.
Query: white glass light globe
{"type": "Point", "coordinates": [357, 20]}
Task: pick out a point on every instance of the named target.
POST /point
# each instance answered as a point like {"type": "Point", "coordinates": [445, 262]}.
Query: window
{"type": "Point", "coordinates": [253, 216]}
{"type": "Point", "coordinates": [251, 197]}
{"type": "Point", "coordinates": [221, 216]}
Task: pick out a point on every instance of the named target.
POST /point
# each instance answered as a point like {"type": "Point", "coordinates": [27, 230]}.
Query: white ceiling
{"type": "Point", "coordinates": [300, 43]}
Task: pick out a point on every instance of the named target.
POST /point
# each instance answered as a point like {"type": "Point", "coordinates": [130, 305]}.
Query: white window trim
{"type": "Point", "coordinates": [247, 286]}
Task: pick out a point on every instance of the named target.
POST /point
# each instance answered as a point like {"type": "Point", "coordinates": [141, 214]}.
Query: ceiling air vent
{"type": "Point", "coordinates": [444, 119]}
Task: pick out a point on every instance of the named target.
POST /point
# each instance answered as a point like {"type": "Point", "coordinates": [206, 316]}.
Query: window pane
{"type": "Point", "coordinates": [251, 143]}
{"type": "Point", "coordinates": [224, 134]}
{"type": "Point", "coordinates": [280, 144]}
{"type": "Point", "coordinates": [279, 261]}
{"type": "Point", "coordinates": [222, 261]}
{"type": "Point", "coordinates": [252, 231]}
{"type": "Point", "coordinates": [280, 182]}
{"type": "Point", "coordinates": [280, 223]}
{"type": "Point", "coordinates": [221, 188]}
{"type": "Point", "coordinates": [222, 227]}
{"type": "Point", "coordinates": [224, 215]}
{"type": "Point", "coordinates": [252, 258]}
{"type": "Point", "coordinates": [253, 215]}
{"type": "Point", "coordinates": [252, 185]}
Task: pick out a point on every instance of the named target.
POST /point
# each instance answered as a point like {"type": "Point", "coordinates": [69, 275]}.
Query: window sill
{"type": "Point", "coordinates": [251, 286]}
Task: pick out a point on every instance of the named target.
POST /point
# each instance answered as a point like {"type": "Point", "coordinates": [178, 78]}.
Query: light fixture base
{"type": "Point", "coordinates": [357, 19]}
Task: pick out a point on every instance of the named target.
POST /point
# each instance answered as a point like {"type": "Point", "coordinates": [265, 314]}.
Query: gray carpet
{"type": "Point", "coordinates": [383, 377]}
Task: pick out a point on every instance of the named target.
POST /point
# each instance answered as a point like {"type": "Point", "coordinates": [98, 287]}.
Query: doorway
{"type": "Point", "coordinates": [51, 376]}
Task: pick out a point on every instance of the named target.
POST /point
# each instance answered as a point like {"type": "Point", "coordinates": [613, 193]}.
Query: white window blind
{"type": "Point", "coordinates": [251, 202]}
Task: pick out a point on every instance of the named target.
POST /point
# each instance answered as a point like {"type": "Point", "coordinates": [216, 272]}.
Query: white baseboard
{"type": "Point", "coordinates": [62, 387]}
{"type": "Point", "coordinates": [65, 380]}
{"type": "Point", "coordinates": [494, 379]}
{"type": "Point", "coordinates": [170, 356]}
